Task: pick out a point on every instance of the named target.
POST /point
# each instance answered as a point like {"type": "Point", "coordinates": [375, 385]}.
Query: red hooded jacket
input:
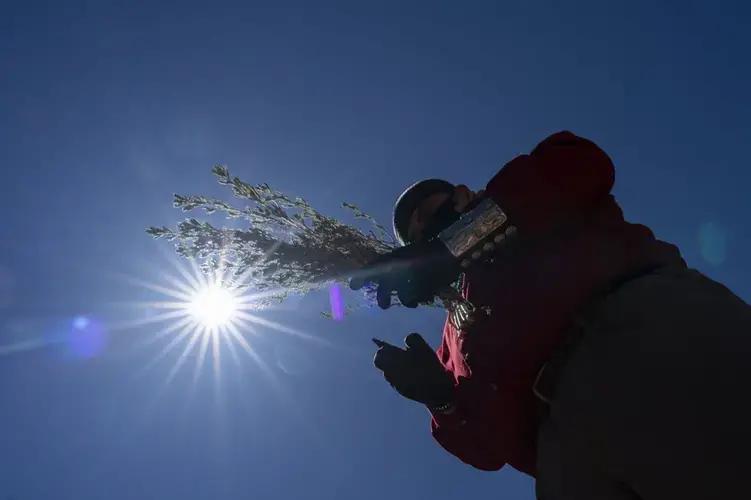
{"type": "Point", "coordinates": [534, 292]}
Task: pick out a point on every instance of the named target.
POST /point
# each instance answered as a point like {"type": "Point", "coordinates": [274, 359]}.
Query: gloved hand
{"type": "Point", "coordinates": [415, 272]}
{"type": "Point", "coordinates": [415, 372]}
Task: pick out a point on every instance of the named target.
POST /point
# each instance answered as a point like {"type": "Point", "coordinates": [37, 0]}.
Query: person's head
{"type": "Point", "coordinates": [428, 207]}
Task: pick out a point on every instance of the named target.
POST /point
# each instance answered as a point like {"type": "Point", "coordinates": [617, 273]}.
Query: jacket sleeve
{"type": "Point", "coordinates": [466, 432]}
{"type": "Point", "coordinates": [473, 431]}
{"type": "Point", "coordinates": [563, 177]}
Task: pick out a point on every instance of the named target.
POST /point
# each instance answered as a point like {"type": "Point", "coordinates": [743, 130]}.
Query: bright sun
{"type": "Point", "coordinates": [203, 314]}
{"type": "Point", "coordinates": [213, 306]}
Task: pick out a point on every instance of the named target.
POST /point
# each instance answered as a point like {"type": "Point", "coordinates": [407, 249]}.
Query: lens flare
{"type": "Point", "coordinates": [712, 243]}
{"type": "Point", "coordinates": [87, 337]}
{"type": "Point", "coordinates": [337, 303]}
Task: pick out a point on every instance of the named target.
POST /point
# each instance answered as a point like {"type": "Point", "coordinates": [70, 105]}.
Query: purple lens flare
{"type": "Point", "coordinates": [87, 337]}
{"type": "Point", "coordinates": [337, 303]}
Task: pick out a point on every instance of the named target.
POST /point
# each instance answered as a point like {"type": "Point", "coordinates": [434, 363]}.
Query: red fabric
{"type": "Point", "coordinates": [534, 290]}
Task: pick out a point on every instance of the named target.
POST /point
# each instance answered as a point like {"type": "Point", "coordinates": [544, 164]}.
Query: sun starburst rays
{"type": "Point", "coordinates": [188, 339]}
{"type": "Point", "coordinates": [202, 316]}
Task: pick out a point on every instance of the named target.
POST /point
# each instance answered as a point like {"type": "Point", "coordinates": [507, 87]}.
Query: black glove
{"type": "Point", "coordinates": [416, 373]}
{"type": "Point", "coordinates": [416, 272]}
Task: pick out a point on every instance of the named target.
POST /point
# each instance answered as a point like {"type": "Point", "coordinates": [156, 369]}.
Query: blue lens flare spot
{"type": "Point", "coordinates": [87, 337]}
{"type": "Point", "coordinates": [80, 322]}
{"type": "Point", "coordinates": [712, 243]}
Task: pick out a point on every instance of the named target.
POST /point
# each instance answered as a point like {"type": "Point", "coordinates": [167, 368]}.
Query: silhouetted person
{"type": "Point", "coordinates": [584, 351]}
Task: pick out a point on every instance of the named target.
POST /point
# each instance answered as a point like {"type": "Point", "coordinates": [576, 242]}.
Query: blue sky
{"type": "Point", "coordinates": [107, 108]}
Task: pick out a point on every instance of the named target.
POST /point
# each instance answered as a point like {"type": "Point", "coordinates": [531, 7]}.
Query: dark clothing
{"type": "Point", "coordinates": [651, 403]}
{"type": "Point", "coordinates": [573, 242]}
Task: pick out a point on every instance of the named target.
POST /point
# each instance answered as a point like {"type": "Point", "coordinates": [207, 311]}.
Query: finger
{"type": "Point", "coordinates": [384, 344]}
{"type": "Point", "coordinates": [407, 299]}
{"type": "Point", "coordinates": [395, 261]}
{"type": "Point", "coordinates": [383, 296]}
{"type": "Point", "coordinates": [379, 360]}
{"type": "Point", "coordinates": [410, 303]}
{"type": "Point", "coordinates": [384, 360]}
{"type": "Point", "coordinates": [370, 272]}
{"type": "Point", "coordinates": [356, 283]}
{"type": "Point", "coordinates": [389, 350]}
{"type": "Point", "coordinates": [389, 358]}
{"type": "Point", "coordinates": [415, 342]}
{"type": "Point", "coordinates": [362, 278]}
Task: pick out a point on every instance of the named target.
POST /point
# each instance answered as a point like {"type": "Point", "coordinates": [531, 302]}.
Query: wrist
{"type": "Point", "coordinates": [477, 232]}
{"type": "Point", "coordinates": [444, 409]}
{"type": "Point", "coordinates": [444, 403]}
